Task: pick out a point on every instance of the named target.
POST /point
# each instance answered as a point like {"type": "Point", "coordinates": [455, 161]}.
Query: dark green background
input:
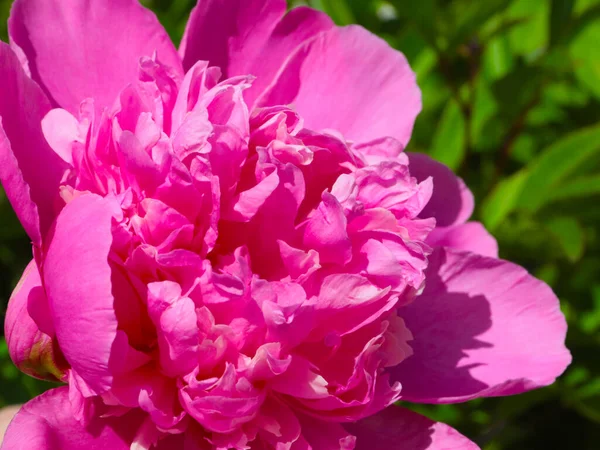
{"type": "Point", "coordinates": [511, 93]}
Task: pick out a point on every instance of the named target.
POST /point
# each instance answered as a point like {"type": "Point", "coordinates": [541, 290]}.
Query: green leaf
{"type": "Point", "coordinates": [423, 14]}
{"type": "Point", "coordinates": [500, 28]}
{"type": "Point", "coordinates": [560, 16]}
{"type": "Point", "coordinates": [569, 235]}
{"type": "Point", "coordinates": [516, 91]}
{"type": "Point", "coordinates": [581, 22]}
{"type": "Point", "coordinates": [548, 273]}
{"type": "Point", "coordinates": [567, 94]}
{"type": "Point", "coordinates": [589, 408]}
{"type": "Point", "coordinates": [589, 321]}
{"type": "Point", "coordinates": [497, 59]}
{"type": "Point", "coordinates": [581, 187]}
{"type": "Point", "coordinates": [484, 107]}
{"type": "Point", "coordinates": [556, 164]}
{"type": "Point", "coordinates": [584, 54]}
{"type": "Point", "coordinates": [449, 144]}
{"type": "Point", "coordinates": [472, 16]}
{"type": "Point", "coordinates": [4, 11]}
{"type": "Point", "coordinates": [516, 405]}
{"type": "Point", "coordinates": [338, 10]}
{"type": "Point", "coordinates": [576, 375]}
{"type": "Point", "coordinates": [435, 96]}
{"type": "Point", "coordinates": [502, 200]}
{"type": "Point", "coordinates": [530, 38]}
{"type": "Point", "coordinates": [424, 63]}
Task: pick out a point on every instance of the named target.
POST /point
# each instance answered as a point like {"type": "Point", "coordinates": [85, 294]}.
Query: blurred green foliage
{"type": "Point", "coordinates": [511, 102]}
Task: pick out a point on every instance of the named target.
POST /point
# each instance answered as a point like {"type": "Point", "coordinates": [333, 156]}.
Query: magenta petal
{"type": "Point", "coordinates": [77, 277]}
{"type": "Point", "coordinates": [248, 37]}
{"type": "Point", "coordinates": [176, 327]}
{"type": "Point", "coordinates": [29, 170]}
{"type": "Point", "coordinates": [80, 49]}
{"type": "Point", "coordinates": [326, 232]}
{"type": "Point", "coordinates": [482, 327]}
{"type": "Point", "coordinates": [398, 428]}
{"type": "Point", "coordinates": [246, 204]}
{"type": "Point", "coordinates": [471, 237]}
{"type": "Point", "coordinates": [219, 31]}
{"type": "Point", "coordinates": [47, 423]}
{"type": "Point", "coordinates": [318, 78]}
{"type": "Point", "coordinates": [451, 203]}
{"type": "Point", "coordinates": [297, 26]}
{"type": "Point", "coordinates": [32, 350]}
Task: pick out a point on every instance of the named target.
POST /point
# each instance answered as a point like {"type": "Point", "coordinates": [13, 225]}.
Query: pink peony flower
{"type": "Point", "coordinates": [232, 250]}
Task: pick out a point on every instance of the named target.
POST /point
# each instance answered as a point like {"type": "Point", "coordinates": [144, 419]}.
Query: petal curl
{"type": "Point", "coordinates": [483, 327]}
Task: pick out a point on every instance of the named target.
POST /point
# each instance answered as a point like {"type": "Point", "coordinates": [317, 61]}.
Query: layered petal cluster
{"type": "Point", "coordinates": [231, 248]}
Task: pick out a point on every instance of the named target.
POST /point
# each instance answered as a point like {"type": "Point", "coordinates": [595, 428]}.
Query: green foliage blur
{"type": "Point", "coordinates": [511, 102]}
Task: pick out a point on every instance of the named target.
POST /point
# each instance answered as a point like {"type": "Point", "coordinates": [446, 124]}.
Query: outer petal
{"type": "Point", "coordinates": [451, 203]}
{"type": "Point", "coordinates": [219, 31]}
{"type": "Point", "coordinates": [326, 232]}
{"type": "Point", "coordinates": [397, 428]}
{"type": "Point", "coordinates": [470, 236]}
{"type": "Point", "coordinates": [482, 327]}
{"type": "Point", "coordinates": [29, 170]}
{"type": "Point", "coordinates": [77, 277]}
{"type": "Point", "coordinates": [46, 423]}
{"type": "Point", "coordinates": [349, 80]}
{"type": "Point", "coordinates": [32, 351]}
{"type": "Point", "coordinates": [248, 37]}
{"type": "Point", "coordinates": [177, 330]}
{"type": "Point", "coordinates": [79, 49]}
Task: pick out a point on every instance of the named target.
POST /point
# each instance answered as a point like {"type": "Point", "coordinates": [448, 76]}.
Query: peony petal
{"type": "Point", "coordinates": [471, 237]}
{"type": "Point", "coordinates": [451, 203]}
{"type": "Point", "coordinates": [219, 31]}
{"type": "Point", "coordinates": [77, 277]}
{"type": "Point", "coordinates": [32, 350]}
{"type": "Point", "coordinates": [326, 232]}
{"type": "Point", "coordinates": [300, 381]}
{"type": "Point", "coordinates": [80, 49]}
{"type": "Point", "coordinates": [398, 428]}
{"type": "Point", "coordinates": [482, 327]}
{"type": "Point", "coordinates": [223, 405]}
{"type": "Point", "coordinates": [30, 171]}
{"type": "Point", "coordinates": [47, 423]}
{"type": "Point", "coordinates": [246, 204]}
{"type": "Point", "coordinates": [248, 37]}
{"type": "Point", "coordinates": [298, 263]}
{"type": "Point", "coordinates": [176, 327]}
{"type": "Point", "coordinates": [348, 302]}
{"type": "Point", "coordinates": [61, 130]}
{"type": "Point", "coordinates": [319, 76]}
{"type": "Point", "coordinates": [280, 426]}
